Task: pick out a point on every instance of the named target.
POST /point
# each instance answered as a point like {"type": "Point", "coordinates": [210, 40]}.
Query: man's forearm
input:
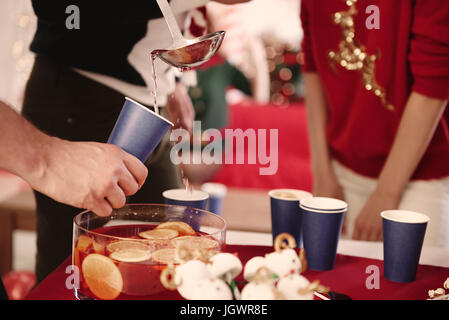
{"type": "Point", "coordinates": [416, 129]}
{"type": "Point", "coordinates": [317, 113]}
{"type": "Point", "coordinates": [20, 143]}
{"type": "Point", "coordinates": [87, 175]}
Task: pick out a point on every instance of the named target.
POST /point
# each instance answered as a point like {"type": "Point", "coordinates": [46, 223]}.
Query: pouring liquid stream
{"type": "Point", "coordinates": [186, 182]}
{"type": "Point", "coordinates": [154, 55]}
{"type": "Point", "coordinates": [153, 58]}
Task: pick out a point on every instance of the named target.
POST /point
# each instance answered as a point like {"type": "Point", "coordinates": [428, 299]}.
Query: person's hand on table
{"type": "Point", "coordinates": [179, 108]}
{"type": "Point", "coordinates": [327, 185]}
{"type": "Point", "coordinates": [88, 175]}
{"type": "Point", "coordinates": [368, 224]}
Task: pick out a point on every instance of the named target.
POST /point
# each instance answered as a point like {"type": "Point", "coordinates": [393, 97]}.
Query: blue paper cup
{"type": "Point", "coordinates": [285, 212]}
{"type": "Point", "coordinates": [138, 130]}
{"type": "Point", "coordinates": [403, 234]}
{"type": "Point", "coordinates": [217, 193]}
{"type": "Point", "coordinates": [180, 197]}
{"type": "Point", "coordinates": [322, 220]}
{"type": "Point", "coordinates": [190, 199]}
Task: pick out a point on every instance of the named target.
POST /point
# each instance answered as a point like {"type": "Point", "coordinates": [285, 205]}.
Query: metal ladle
{"type": "Point", "coordinates": [186, 53]}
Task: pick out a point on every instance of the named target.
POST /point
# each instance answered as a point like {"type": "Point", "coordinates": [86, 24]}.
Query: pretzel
{"type": "Point", "coordinates": [185, 254]}
{"type": "Point", "coordinates": [168, 278]}
{"type": "Point", "coordinates": [263, 274]}
{"type": "Point", "coordinates": [280, 242]}
{"type": "Point", "coordinates": [204, 255]}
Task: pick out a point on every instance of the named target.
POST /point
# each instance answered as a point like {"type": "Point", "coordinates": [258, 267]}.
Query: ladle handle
{"type": "Point", "coordinates": [171, 21]}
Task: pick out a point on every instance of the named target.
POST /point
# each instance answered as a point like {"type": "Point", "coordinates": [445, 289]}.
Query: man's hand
{"type": "Point", "coordinates": [180, 109]}
{"type": "Point", "coordinates": [368, 224]}
{"type": "Point", "coordinates": [231, 1]}
{"type": "Point", "coordinates": [88, 175]}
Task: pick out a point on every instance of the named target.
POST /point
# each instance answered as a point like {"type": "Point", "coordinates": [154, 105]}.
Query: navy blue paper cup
{"type": "Point", "coordinates": [285, 212]}
{"type": "Point", "coordinates": [138, 130]}
{"type": "Point", "coordinates": [322, 221]}
{"type": "Point", "coordinates": [180, 197]}
{"type": "Point", "coordinates": [217, 193]}
{"type": "Point", "coordinates": [191, 199]}
{"type": "Point", "coordinates": [403, 235]}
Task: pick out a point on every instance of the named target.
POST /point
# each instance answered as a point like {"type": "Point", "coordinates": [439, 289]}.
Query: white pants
{"type": "Point", "coordinates": [430, 197]}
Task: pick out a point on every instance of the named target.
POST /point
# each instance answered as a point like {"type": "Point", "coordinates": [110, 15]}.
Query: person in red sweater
{"type": "Point", "coordinates": [377, 84]}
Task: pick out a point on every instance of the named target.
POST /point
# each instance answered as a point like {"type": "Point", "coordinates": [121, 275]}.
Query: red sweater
{"type": "Point", "coordinates": [413, 42]}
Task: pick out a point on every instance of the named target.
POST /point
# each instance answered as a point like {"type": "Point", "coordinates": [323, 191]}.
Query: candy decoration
{"type": "Point", "coordinates": [280, 242]}
{"type": "Point", "coordinates": [206, 275]}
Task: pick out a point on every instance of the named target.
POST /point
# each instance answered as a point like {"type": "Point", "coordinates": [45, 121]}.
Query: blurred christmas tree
{"type": "Point", "coordinates": [284, 65]}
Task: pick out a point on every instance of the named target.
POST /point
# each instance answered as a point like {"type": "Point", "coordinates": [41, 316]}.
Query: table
{"type": "Point", "coordinates": [16, 213]}
{"type": "Point", "coordinates": [349, 275]}
{"type": "Point", "coordinates": [433, 256]}
{"type": "Point", "coordinates": [253, 205]}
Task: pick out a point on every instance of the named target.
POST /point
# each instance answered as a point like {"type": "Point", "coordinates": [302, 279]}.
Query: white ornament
{"type": "Point", "coordinates": [252, 266]}
{"type": "Point", "coordinates": [261, 291]}
{"type": "Point", "coordinates": [225, 266]}
{"type": "Point", "coordinates": [189, 275]}
{"type": "Point", "coordinates": [291, 285]}
{"type": "Point", "coordinates": [283, 263]}
{"type": "Point", "coordinates": [211, 289]}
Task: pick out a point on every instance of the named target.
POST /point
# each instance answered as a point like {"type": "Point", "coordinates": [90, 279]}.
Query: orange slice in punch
{"type": "Point", "coordinates": [102, 276]}
{"type": "Point", "coordinates": [159, 234]}
{"type": "Point", "coordinates": [129, 251]}
{"type": "Point", "coordinates": [84, 243]}
{"type": "Point", "coordinates": [76, 257]}
{"type": "Point", "coordinates": [196, 242]}
{"type": "Point", "coordinates": [98, 247]}
{"type": "Point", "coordinates": [183, 228]}
{"type": "Point", "coordinates": [164, 256]}
{"type": "Point", "coordinates": [157, 244]}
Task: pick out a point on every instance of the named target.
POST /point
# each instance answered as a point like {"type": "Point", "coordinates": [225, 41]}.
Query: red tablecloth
{"type": "Point", "coordinates": [348, 277]}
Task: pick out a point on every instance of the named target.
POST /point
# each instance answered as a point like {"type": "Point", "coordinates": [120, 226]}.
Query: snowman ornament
{"type": "Point", "coordinates": [282, 262]}
{"type": "Point", "coordinates": [227, 267]}
{"type": "Point", "coordinates": [284, 267]}
{"type": "Point", "coordinates": [202, 276]}
{"type": "Point", "coordinates": [262, 287]}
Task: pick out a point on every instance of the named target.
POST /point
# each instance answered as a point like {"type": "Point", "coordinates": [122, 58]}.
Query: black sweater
{"type": "Point", "coordinates": [108, 32]}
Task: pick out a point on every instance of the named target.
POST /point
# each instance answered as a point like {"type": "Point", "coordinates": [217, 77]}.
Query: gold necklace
{"type": "Point", "coordinates": [353, 56]}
